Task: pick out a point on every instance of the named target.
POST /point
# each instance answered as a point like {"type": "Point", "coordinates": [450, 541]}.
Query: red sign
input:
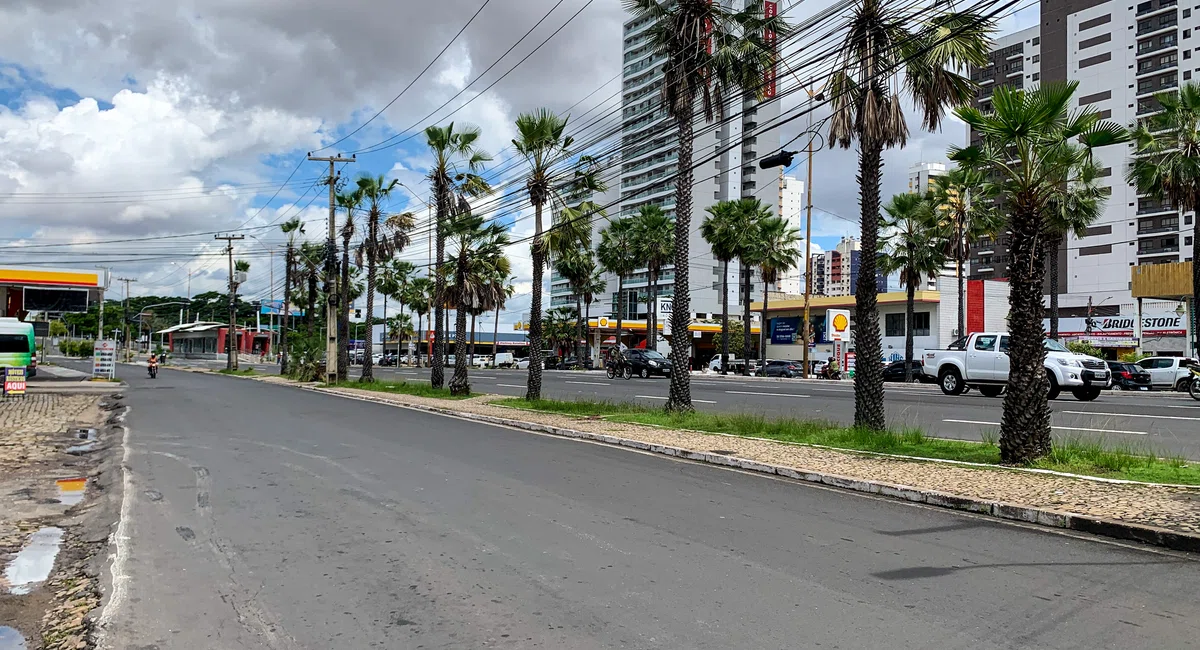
{"type": "Point", "coordinates": [14, 381]}
{"type": "Point", "coordinates": [770, 10]}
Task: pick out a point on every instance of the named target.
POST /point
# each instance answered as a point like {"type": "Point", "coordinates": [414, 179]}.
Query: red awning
{"type": "Point", "coordinates": [610, 340]}
{"type": "Point", "coordinates": [642, 345]}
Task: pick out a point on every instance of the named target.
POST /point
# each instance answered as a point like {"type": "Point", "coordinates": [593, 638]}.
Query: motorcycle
{"type": "Point", "coordinates": [1194, 385]}
{"type": "Point", "coordinates": [152, 370]}
{"type": "Point", "coordinates": [614, 368]}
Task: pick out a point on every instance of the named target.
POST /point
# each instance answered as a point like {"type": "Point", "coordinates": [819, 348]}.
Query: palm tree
{"type": "Point", "coordinates": [1035, 147]}
{"type": "Point", "coordinates": [887, 40]}
{"type": "Point", "coordinates": [480, 247]}
{"type": "Point", "coordinates": [711, 53]}
{"type": "Point", "coordinates": [393, 281]}
{"type": "Point", "coordinates": [725, 229]}
{"type": "Point", "coordinates": [348, 201]}
{"type": "Point", "coordinates": [615, 254]}
{"type": "Point", "coordinates": [753, 213]}
{"type": "Point", "coordinates": [290, 228]}
{"type": "Point", "coordinates": [312, 262]}
{"type": "Point", "coordinates": [500, 289]}
{"type": "Point", "coordinates": [576, 267]}
{"type": "Point", "coordinates": [456, 161]}
{"type": "Point", "coordinates": [654, 246]}
{"type": "Point", "coordinates": [916, 247]}
{"type": "Point", "coordinates": [399, 326]}
{"type": "Point", "coordinates": [419, 296]}
{"type": "Point", "coordinates": [592, 287]}
{"type": "Point", "coordinates": [964, 201]}
{"type": "Point", "coordinates": [1167, 164]}
{"type": "Point", "coordinates": [385, 238]}
{"type": "Point", "coordinates": [1071, 213]}
{"type": "Point", "coordinates": [543, 143]}
{"type": "Point", "coordinates": [778, 252]}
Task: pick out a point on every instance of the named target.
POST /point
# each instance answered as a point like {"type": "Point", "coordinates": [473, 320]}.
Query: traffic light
{"type": "Point", "coordinates": [781, 159]}
{"type": "Point", "coordinates": [358, 314]}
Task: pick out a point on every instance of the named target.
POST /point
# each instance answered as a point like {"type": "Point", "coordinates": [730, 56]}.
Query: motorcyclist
{"type": "Point", "coordinates": [832, 371]}
{"type": "Point", "coordinates": [152, 364]}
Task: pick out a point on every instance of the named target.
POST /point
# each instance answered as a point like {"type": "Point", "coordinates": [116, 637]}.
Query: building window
{"type": "Point", "coordinates": [1037, 58]}
{"type": "Point", "coordinates": [894, 324]}
{"type": "Point", "coordinates": [1036, 40]}
{"type": "Point", "coordinates": [1036, 76]}
{"type": "Point", "coordinates": [921, 323]}
{"type": "Point", "coordinates": [1187, 13]}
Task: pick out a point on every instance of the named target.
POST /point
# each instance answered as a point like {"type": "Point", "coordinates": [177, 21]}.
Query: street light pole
{"type": "Point", "coordinates": [331, 302]}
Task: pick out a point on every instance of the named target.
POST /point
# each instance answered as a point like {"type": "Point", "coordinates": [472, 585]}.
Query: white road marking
{"type": "Point", "coordinates": [588, 383]}
{"type": "Point", "coordinates": [1134, 415]}
{"type": "Point", "coordinates": [702, 401]}
{"type": "Point", "coordinates": [511, 386]}
{"type": "Point", "coordinates": [745, 392]}
{"type": "Point", "coordinates": [996, 424]}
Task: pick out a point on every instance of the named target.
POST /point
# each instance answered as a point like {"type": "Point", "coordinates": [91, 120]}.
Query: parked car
{"type": "Point", "coordinates": [572, 363]}
{"type": "Point", "coordinates": [646, 363]}
{"type": "Point", "coordinates": [736, 365]}
{"type": "Point", "coordinates": [1168, 372]}
{"type": "Point", "coordinates": [522, 363]}
{"type": "Point", "coordinates": [504, 359]}
{"type": "Point", "coordinates": [984, 365]}
{"type": "Point", "coordinates": [481, 360]}
{"type": "Point", "coordinates": [782, 368]}
{"type": "Point", "coordinates": [894, 371]}
{"type": "Point", "coordinates": [1128, 376]}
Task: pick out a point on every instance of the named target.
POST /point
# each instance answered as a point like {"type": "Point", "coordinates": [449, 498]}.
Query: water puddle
{"type": "Point", "coordinates": [87, 435]}
{"type": "Point", "coordinates": [84, 434]}
{"type": "Point", "coordinates": [81, 449]}
{"type": "Point", "coordinates": [11, 639]}
{"type": "Point", "coordinates": [71, 490]}
{"type": "Point", "coordinates": [33, 564]}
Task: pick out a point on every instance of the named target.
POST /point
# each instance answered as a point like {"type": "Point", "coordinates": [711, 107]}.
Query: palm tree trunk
{"type": "Point", "coordinates": [1025, 423]}
{"type": "Point", "coordinates": [383, 343]}
{"type": "Point", "coordinates": [587, 335]}
{"type": "Point", "coordinates": [437, 376]}
{"type": "Point", "coordinates": [417, 335]}
{"type": "Point", "coordinates": [472, 355]}
{"type": "Point", "coordinates": [680, 397]}
{"type": "Point", "coordinates": [1195, 342]}
{"type": "Point", "coordinates": [725, 317]}
{"type": "Point", "coordinates": [745, 296]}
{"type": "Point", "coordinates": [460, 384]}
{"type": "Point", "coordinates": [287, 309]}
{"type": "Point", "coordinates": [577, 348]}
{"type": "Point", "coordinates": [1052, 261]}
{"type": "Point", "coordinates": [533, 387]}
{"type": "Point", "coordinates": [368, 363]}
{"type": "Point", "coordinates": [343, 322]}
{"type": "Point", "coordinates": [908, 325]}
{"type": "Point", "coordinates": [652, 313]}
{"type": "Point", "coordinates": [312, 304]}
{"type": "Point", "coordinates": [959, 257]}
{"type": "Point", "coordinates": [868, 371]}
{"type": "Point", "coordinates": [762, 327]}
{"type": "Point", "coordinates": [620, 307]}
{"type": "Point", "coordinates": [496, 338]}
{"type": "Point", "coordinates": [400, 343]}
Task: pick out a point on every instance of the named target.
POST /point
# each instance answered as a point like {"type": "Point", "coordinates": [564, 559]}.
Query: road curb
{"type": "Point", "coordinates": [1001, 510]}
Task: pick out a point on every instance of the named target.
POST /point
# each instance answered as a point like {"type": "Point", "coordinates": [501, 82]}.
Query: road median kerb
{"type": "Point", "coordinates": [1010, 511]}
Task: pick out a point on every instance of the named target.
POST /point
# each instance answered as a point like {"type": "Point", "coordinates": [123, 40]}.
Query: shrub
{"type": "Point", "coordinates": [1083, 347]}
{"type": "Point", "coordinates": [1133, 357]}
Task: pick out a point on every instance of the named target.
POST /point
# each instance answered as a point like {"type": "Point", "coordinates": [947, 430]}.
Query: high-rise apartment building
{"type": "Point", "coordinates": [921, 175]}
{"type": "Point", "coordinates": [649, 157]}
{"type": "Point", "coordinates": [791, 208]}
{"type": "Point", "coordinates": [839, 273]}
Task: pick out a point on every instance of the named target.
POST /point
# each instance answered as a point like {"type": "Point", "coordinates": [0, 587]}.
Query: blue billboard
{"type": "Point", "coordinates": [275, 307]}
{"type": "Point", "coordinates": [785, 331]}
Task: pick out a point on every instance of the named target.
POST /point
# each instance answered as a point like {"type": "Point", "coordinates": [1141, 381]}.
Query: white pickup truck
{"type": "Point", "coordinates": [981, 361]}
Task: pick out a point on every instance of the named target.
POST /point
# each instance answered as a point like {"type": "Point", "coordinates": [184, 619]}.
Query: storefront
{"type": "Point", "coordinates": [49, 293]}
{"type": "Point", "coordinates": [207, 340]}
{"type": "Point", "coordinates": [1162, 333]}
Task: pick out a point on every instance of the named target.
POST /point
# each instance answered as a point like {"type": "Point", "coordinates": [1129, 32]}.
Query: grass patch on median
{"type": "Point", "coordinates": [416, 389]}
{"type": "Point", "coordinates": [241, 372]}
{"type": "Point", "coordinates": [1072, 454]}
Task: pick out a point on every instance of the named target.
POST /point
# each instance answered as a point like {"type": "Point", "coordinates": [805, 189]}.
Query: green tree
{"type": "Point", "coordinates": [965, 204]}
{"type": "Point", "coordinates": [58, 328]}
{"type": "Point", "coordinates": [1167, 164]}
{"type": "Point", "coordinates": [420, 298]}
{"type": "Point", "coordinates": [753, 214]}
{"type": "Point", "coordinates": [393, 282]}
{"type": "Point", "coordinates": [310, 267]}
{"type": "Point", "coordinates": [385, 237]}
{"type": "Point", "coordinates": [1072, 212]}
{"type": "Point", "coordinates": [542, 141]}
{"type": "Point", "coordinates": [654, 246]}
{"type": "Point", "coordinates": [479, 251]}
{"type": "Point", "coordinates": [500, 289]}
{"type": "Point", "coordinates": [915, 245]}
{"type": "Point", "coordinates": [889, 45]}
{"type": "Point", "coordinates": [350, 202]}
{"type": "Point", "coordinates": [778, 252]}
{"type": "Point", "coordinates": [710, 52]}
{"type": "Point", "coordinates": [731, 339]}
{"type": "Point", "coordinates": [726, 229]}
{"type": "Point", "coordinates": [457, 161]}
{"type": "Point", "coordinates": [576, 267]}
{"type": "Point", "coordinates": [292, 228]}
{"type": "Point", "coordinates": [1035, 147]}
{"type": "Point", "coordinates": [615, 254]}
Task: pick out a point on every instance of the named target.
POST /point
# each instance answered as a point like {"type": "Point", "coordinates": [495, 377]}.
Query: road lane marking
{"type": "Point", "coordinates": [746, 392]}
{"type": "Point", "coordinates": [588, 383]}
{"type": "Point", "coordinates": [511, 386]}
{"type": "Point", "coordinates": [996, 424]}
{"type": "Point", "coordinates": [702, 401]}
{"type": "Point", "coordinates": [1134, 415]}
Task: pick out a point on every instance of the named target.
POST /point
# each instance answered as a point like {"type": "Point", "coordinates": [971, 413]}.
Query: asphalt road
{"type": "Point", "coordinates": [266, 516]}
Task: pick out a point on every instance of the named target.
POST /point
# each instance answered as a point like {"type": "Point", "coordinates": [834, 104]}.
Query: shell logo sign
{"type": "Point", "coordinates": [837, 324]}
{"type": "Point", "coordinates": [603, 322]}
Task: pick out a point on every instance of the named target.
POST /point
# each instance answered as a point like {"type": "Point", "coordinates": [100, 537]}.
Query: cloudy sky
{"type": "Point", "coordinates": [131, 131]}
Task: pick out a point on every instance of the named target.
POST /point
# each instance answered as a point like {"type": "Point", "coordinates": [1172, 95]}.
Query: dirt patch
{"type": "Point", "coordinates": [52, 451]}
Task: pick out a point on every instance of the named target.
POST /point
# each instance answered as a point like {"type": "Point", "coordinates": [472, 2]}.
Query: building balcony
{"type": "Point", "coordinates": [1155, 229]}
{"type": "Point", "coordinates": [1150, 29]}
{"type": "Point", "coordinates": [986, 251]}
{"type": "Point", "coordinates": [1155, 47]}
{"type": "Point", "coordinates": [1168, 85]}
{"type": "Point", "coordinates": [1147, 8]}
{"type": "Point", "coordinates": [1156, 208]}
{"type": "Point", "coordinates": [1158, 250]}
{"type": "Point", "coordinates": [1157, 67]}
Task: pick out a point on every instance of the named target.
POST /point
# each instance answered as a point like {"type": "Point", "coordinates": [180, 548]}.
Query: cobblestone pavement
{"type": "Point", "coordinates": [28, 423]}
{"type": "Point", "coordinates": [1167, 507]}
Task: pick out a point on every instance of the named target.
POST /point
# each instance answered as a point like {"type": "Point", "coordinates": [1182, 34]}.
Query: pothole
{"type": "Point", "coordinates": [33, 564]}
{"type": "Point", "coordinates": [71, 490]}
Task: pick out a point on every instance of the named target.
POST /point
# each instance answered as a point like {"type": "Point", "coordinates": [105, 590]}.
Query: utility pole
{"type": "Point", "coordinates": [103, 286]}
{"type": "Point", "coordinates": [808, 268]}
{"type": "Point", "coordinates": [331, 302]}
{"type": "Point", "coordinates": [231, 340]}
{"type": "Point", "coordinates": [126, 327]}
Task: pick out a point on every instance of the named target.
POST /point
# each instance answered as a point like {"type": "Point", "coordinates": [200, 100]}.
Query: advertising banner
{"type": "Point", "coordinates": [14, 381]}
{"type": "Point", "coordinates": [785, 331]}
{"type": "Point", "coordinates": [104, 359]}
{"type": "Point", "coordinates": [1153, 324]}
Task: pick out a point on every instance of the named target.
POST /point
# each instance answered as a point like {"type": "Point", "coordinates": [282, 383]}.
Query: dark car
{"type": "Point", "coordinates": [647, 363]}
{"type": "Point", "coordinates": [894, 371]}
{"type": "Point", "coordinates": [1128, 376]}
{"type": "Point", "coordinates": [570, 363]}
{"type": "Point", "coordinates": [782, 368]}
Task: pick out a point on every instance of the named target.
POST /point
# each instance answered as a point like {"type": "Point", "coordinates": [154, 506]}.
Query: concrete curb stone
{"type": "Point", "coordinates": [1011, 511]}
